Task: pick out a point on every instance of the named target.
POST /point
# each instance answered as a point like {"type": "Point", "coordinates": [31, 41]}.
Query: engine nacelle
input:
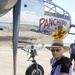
{"type": "Point", "coordinates": [6, 5]}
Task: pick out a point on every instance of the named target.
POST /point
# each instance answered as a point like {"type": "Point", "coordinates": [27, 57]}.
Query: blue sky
{"type": "Point", "coordinates": [68, 5]}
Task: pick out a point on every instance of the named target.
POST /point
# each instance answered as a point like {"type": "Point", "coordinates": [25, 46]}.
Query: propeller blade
{"type": "Point", "coordinates": [16, 23]}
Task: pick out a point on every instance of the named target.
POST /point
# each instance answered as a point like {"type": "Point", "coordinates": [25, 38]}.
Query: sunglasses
{"type": "Point", "coordinates": [53, 50]}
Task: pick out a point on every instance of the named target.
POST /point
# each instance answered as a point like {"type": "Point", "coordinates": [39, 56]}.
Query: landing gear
{"type": "Point", "coordinates": [35, 68]}
{"type": "Point", "coordinates": [32, 70]}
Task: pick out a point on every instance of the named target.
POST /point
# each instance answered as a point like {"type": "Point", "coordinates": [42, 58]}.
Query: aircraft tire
{"type": "Point", "coordinates": [31, 70]}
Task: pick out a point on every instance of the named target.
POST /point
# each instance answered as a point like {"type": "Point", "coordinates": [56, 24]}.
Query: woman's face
{"type": "Point", "coordinates": [57, 52]}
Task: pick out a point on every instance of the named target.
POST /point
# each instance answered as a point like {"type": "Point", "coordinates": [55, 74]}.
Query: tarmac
{"type": "Point", "coordinates": [6, 60]}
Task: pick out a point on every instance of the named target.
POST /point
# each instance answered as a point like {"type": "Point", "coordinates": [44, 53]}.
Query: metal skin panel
{"type": "Point", "coordinates": [46, 27]}
{"type": "Point", "coordinates": [6, 5]}
{"type": "Point", "coordinates": [40, 29]}
{"type": "Point", "coordinates": [30, 34]}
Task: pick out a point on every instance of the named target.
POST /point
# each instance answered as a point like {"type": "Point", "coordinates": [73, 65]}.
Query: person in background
{"type": "Point", "coordinates": [61, 65]}
{"type": "Point", "coordinates": [72, 53]}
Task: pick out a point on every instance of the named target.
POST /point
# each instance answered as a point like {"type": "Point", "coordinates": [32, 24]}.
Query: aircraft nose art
{"type": "Point", "coordinates": [6, 5]}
